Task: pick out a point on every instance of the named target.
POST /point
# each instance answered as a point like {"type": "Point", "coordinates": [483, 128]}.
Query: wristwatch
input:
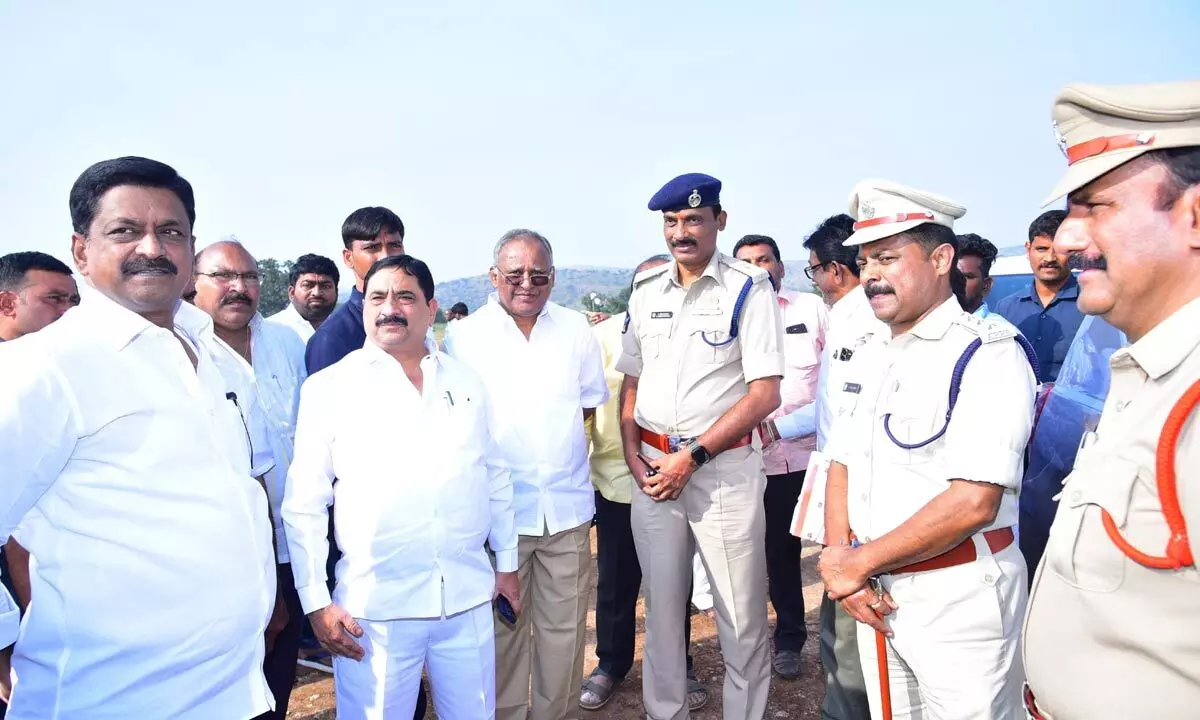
{"type": "Point", "coordinates": [700, 455]}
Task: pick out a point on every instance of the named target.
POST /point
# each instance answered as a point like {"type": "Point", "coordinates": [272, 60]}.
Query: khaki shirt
{"type": "Point", "coordinates": [676, 344]}
{"type": "Point", "coordinates": [610, 474]}
{"type": "Point", "coordinates": [907, 380]}
{"type": "Point", "coordinates": [1106, 637]}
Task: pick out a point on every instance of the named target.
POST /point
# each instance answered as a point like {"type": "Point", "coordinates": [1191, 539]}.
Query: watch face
{"type": "Point", "coordinates": [700, 454]}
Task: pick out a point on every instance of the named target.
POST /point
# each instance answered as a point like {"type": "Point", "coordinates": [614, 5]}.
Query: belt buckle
{"type": "Point", "coordinates": [674, 442]}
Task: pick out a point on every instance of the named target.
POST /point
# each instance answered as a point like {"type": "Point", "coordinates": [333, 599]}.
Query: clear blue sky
{"type": "Point", "coordinates": [468, 118]}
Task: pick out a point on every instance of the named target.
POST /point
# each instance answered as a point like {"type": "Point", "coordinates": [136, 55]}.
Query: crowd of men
{"type": "Point", "coordinates": [186, 481]}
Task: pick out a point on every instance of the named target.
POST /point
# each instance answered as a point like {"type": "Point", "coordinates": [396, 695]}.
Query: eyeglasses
{"type": "Point", "coordinates": [812, 270]}
{"type": "Point", "coordinates": [227, 277]}
{"type": "Point", "coordinates": [537, 279]}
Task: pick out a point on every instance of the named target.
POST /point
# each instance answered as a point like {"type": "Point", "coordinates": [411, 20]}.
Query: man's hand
{"type": "Point", "coordinates": [639, 470]}
{"type": "Point", "coordinates": [672, 474]}
{"type": "Point", "coordinates": [595, 318]}
{"type": "Point", "coordinates": [840, 571]}
{"type": "Point", "coordinates": [6, 673]}
{"type": "Point", "coordinates": [279, 620]}
{"type": "Point", "coordinates": [335, 630]}
{"type": "Point", "coordinates": [870, 608]}
{"type": "Point", "coordinates": [509, 586]}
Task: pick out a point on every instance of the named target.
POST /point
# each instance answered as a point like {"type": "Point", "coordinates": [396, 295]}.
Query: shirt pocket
{"type": "Point", "coordinates": [1079, 550]}
{"type": "Point", "coordinates": [800, 350]}
{"type": "Point", "coordinates": [710, 342]}
{"type": "Point", "coordinates": [909, 419]}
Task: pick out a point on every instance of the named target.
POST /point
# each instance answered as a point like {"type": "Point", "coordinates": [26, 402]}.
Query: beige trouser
{"type": "Point", "coordinates": [555, 575]}
{"type": "Point", "coordinates": [720, 512]}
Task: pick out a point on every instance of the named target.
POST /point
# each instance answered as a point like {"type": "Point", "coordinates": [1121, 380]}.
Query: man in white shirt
{"type": "Point", "coordinates": [833, 268]}
{"type": "Point", "coordinates": [926, 461]}
{"type": "Point", "coordinates": [128, 469]}
{"type": "Point", "coordinates": [785, 461]}
{"type": "Point", "coordinates": [543, 369]}
{"type": "Point", "coordinates": [312, 296]}
{"type": "Point", "coordinates": [421, 486]}
{"type": "Point", "coordinates": [271, 358]}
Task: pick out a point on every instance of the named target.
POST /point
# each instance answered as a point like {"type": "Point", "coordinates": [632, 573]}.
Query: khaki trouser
{"type": "Point", "coordinates": [555, 576]}
{"type": "Point", "coordinates": [720, 512]}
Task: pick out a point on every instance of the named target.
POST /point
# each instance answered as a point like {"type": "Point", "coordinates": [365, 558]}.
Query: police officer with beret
{"type": "Point", "coordinates": [702, 358]}
{"type": "Point", "coordinates": [1113, 628]}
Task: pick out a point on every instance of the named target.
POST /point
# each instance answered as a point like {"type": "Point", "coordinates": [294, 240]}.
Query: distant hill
{"type": "Point", "coordinates": [571, 284]}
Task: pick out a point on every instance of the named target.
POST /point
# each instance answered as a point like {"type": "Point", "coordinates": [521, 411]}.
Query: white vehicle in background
{"type": "Point", "coordinates": [1009, 275]}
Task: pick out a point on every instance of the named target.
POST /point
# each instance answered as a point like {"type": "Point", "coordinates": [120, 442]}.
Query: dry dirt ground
{"type": "Point", "coordinates": [312, 698]}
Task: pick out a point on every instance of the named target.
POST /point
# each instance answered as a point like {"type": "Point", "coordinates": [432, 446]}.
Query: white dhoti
{"type": "Point", "coordinates": [955, 650]}
{"type": "Point", "coordinates": [459, 652]}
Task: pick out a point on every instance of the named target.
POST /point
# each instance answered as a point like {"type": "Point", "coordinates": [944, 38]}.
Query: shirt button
{"type": "Point", "coordinates": [865, 497]}
{"type": "Point", "coordinates": [1075, 496]}
{"type": "Point", "coordinates": [988, 579]}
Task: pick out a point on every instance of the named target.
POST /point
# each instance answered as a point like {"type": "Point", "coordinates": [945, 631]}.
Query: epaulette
{"type": "Point", "coordinates": [988, 329]}
{"type": "Point", "coordinates": [650, 274]}
{"type": "Point", "coordinates": [753, 272]}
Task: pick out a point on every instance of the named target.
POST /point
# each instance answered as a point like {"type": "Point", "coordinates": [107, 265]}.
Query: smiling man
{"type": "Point", "coordinates": [421, 486]}
{"type": "Point", "coordinates": [128, 470]}
{"type": "Point", "coordinates": [922, 491]}
{"type": "Point", "coordinates": [543, 370]}
{"type": "Point", "coordinates": [1112, 629]}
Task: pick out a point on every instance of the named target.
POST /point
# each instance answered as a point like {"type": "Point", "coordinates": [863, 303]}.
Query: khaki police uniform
{"type": "Point", "coordinates": [689, 376]}
{"type": "Point", "coordinates": [953, 653]}
{"type": "Point", "coordinates": [1107, 635]}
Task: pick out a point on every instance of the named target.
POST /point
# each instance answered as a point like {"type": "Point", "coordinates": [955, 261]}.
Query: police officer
{"type": "Point", "coordinates": [702, 358]}
{"type": "Point", "coordinates": [1113, 628]}
{"type": "Point", "coordinates": [922, 489]}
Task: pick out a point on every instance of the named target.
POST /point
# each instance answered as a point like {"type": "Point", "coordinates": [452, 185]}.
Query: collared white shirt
{"type": "Point", "coordinates": [276, 371]}
{"type": "Point", "coordinates": [289, 318]}
{"type": "Point", "coordinates": [901, 386]}
{"type": "Point", "coordinates": [128, 470]}
{"type": "Point", "coordinates": [850, 319]}
{"type": "Point", "coordinates": [539, 387]}
{"type": "Point", "coordinates": [421, 485]}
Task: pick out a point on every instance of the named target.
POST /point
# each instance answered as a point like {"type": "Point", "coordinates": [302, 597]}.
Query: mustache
{"type": "Point", "coordinates": [138, 265]}
{"type": "Point", "coordinates": [391, 320]}
{"type": "Point", "coordinates": [684, 241]}
{"type": "Point", "coordinates": [1079, 261]}
{"type": "Point", "coordinates": [236, 297]}
{"type": "Point", "coordinates": [873, 289]}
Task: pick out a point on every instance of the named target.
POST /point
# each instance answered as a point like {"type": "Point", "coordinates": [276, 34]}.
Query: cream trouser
{"type": "Point", "coordinates": [547, 644]}
{"type": "Point", "coordinates": [955, 650]}
{"type": "Point", "coordinates": [720, 511]}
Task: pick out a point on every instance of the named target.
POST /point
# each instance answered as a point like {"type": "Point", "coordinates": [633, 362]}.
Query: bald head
{"type": "Point", "coordinates": [227, 285]}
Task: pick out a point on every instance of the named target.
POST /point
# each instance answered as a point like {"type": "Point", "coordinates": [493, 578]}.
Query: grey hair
{"type": "Point", "coordinates": [518, 233]}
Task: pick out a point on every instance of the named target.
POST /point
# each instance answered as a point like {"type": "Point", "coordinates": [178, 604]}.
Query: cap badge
{"type": "Point", "coordinates": [1062, 141]}
{"type": "Point", "coordinates": [694, 199]}
{"type": "Point", "coordinates": [866, 210]}
{"type": "Point", "coordinates": [1144, 138]}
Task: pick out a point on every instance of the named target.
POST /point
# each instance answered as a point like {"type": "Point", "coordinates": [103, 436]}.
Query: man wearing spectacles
{"type": "Point", "coordinates": [702, 357]}
{"type": "Point", "coordinates": [543, 370]}
{"type": "Point", "coordinates": [270, 357]}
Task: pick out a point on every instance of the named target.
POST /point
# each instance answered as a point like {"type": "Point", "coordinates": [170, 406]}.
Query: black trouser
{"type": "Point", "coordinates": [783, 561]}
{"type": "Point", "coordinates": [280, 663]}
{"type": "Point", "coordinates": [620, 578]}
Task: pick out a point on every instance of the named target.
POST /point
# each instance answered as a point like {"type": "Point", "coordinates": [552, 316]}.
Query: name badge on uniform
{"type": "Point", "coordinates": [662, 315]}
{"type": "Point", "coordinates": [796, 329]}
{"type": "Point", "coordinates": [854, 388]}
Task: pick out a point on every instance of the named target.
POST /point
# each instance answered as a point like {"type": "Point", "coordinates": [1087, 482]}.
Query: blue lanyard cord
{"type": "Point", "coordinates": [955, 386]}
{"type": "Point", "coordinates": [737, 315]}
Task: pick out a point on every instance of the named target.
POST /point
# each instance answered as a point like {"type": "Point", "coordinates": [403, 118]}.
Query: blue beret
{"type": "Point", "coordinates": [692, 190]}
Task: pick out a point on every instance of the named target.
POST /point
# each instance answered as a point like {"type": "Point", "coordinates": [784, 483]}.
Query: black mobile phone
{"type": "Point", "coordinates": [505, 608]}
{"type": "Point", "coordinates": [649, 468]}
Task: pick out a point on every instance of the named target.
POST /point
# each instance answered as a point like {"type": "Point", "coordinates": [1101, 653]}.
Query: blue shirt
{"type": "Point", "coordinates": [1049, 329]}
{"type": "Point", "coordinates": [341, 334]}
